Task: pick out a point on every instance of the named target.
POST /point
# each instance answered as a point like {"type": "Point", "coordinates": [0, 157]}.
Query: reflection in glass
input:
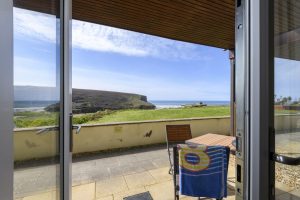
{"type": "Point", "coordinates": [287, 96]}
{"type": "Point", "coordinates": [36, 102]}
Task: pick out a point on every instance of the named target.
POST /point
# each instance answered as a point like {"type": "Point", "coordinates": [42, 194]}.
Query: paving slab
{"type": "Point", "coordinates": [38, 177]}
{"type": "Point", "coordinates": [160, 162]}
{"type": "Point", "coordinates": [111, 176]}
{"type": "Point", "coordinates": [110, 197]}
{"type": "Point", "coordinates": [144, 164]}
{"type": "Point", "coordinates": [231, 174]}
{"type": "Point", "coordinates": [293, 195]}
{"type": "Point", "coordinates": [110, 186]}
{"type": "Point", "coordinates": [30, 181]}
{"type": "Point", "coordinates": [296, 193]}
{"type": "Point", "coordinates": [85, 191]}
{"type": "Point", "coordinates": [139, 180]}
{"type": "Point", "coordinates": [282, 188]}
{"type": "Point", "coordinates": [161, 174]}
{"type": "Point", "coordinates": [162, 191]}
{"type": "Point", "coordinates": [43, 196]}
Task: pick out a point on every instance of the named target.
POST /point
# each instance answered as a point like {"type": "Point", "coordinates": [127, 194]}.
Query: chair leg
{"type": "Point", "coordinates": [171, 164]}
{"type": "Point", "coordinates": [175, 173]}
{"type": "Point", "coordinates": [171, 170]}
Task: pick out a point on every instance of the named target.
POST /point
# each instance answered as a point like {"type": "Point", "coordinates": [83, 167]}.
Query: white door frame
{"type": "Point", "coordinates": [261, 62]}
{"type": "Point", "coordinates": [254, 97]}
{"type": "Point", "coordinates": [6, 99]}
{"type": "Point", "coordinates": [66, 139]}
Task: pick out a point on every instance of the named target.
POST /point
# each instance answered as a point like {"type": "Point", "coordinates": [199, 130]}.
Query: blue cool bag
{"type": "Point", "coordinates": [203, 170]}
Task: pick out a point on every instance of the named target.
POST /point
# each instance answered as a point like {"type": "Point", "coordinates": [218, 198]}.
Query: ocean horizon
{"type": "Point", "coordinates": [20, 106]}
{"type": "Point", "coordinates": [36, 106]}
{"type": "Point", "coordinates": [178, 103]}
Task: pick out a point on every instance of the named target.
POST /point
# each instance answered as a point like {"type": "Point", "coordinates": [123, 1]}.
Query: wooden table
{"type": "Point", "coordinates": [214, 139]}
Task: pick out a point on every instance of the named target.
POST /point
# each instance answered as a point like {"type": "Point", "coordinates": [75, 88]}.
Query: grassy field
{"type": "Point", "coordinates": [36, 119]}
{"type": "Point", "coordinates": [279, 112]}
{"type": "Point", "coordinates": [175, 113]}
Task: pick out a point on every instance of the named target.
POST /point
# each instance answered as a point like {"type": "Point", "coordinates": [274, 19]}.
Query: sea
{"type": "Point", "coordinates": [21, 106]}
{"type": "Point", "coordinates": [177, 104]}
{"type": "Point", "coordinates": [36, 106]}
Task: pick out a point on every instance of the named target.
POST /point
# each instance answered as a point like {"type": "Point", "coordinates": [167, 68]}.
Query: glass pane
{"type": "Point", "coordinates": [36, 100]}
{"type": "Point", "coordinates": [287, 96]}
{"type": "Point", "coordinates": [128, 87]}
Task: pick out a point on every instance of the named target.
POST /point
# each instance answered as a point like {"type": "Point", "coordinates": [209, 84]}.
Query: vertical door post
{"type": "Point", "coordinates": [66, 97]}
{"type": "Point", "coordinates": [261, 98]}
{"type": "Point", "coordinates": [232, 92]}
{"type": "Point", "coordinates": [242, 99]}
{"type": "Point", "coordinates": [6, 100]}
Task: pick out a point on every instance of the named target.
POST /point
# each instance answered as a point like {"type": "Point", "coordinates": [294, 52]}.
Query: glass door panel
{"type": "Point", "coordinates": [37, 100]}
{"type": "Point", "coordinates": [287, 98]}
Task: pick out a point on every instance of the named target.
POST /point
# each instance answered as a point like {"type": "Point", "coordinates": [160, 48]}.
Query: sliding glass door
{"type": "Point", "coordinates": [274, 63]}
{"type": "Point", "coordinates": [286, 99]}
{"type": "Point", "coordinates": [37, 102]}
{"type": "Point", "coordinates": [35, 113]}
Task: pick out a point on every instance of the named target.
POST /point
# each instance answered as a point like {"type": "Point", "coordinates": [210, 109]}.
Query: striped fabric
{"type": "Point", "coordinates": [203, 170]}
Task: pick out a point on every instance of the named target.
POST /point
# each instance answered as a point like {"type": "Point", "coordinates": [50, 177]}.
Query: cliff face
{"type": "Point", "coordinates": [89, 101]}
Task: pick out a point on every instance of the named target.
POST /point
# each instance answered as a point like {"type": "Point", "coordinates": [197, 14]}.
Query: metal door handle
{"type": "Point", "coordinates": [77, 128]}
{"type": "Point", "coordinates": [48, 129]}
{"type": "Point", "coordinates": [71, 132]}
{"type": "Point", "coordinates": [285, 159]}
{"type": "Point", "coordinates": [55, 128]}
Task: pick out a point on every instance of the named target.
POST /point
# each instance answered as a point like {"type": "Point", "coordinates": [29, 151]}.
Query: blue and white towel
{"type": "Point", "coordinates": [203, 170]}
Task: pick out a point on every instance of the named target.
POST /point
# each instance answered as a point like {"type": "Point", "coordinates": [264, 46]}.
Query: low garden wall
{"type": "Point", "coordinates": [92, 138]}
{"type": "Point", "coordinates": [287, 123]}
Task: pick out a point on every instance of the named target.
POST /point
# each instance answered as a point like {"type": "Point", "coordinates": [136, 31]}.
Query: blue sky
{"type": "Point", "coordinates": [287, 78]}
{"type": "Point", "coordinates": [112, 59]}
{"type": "Point", "coordinates": [106, 58]}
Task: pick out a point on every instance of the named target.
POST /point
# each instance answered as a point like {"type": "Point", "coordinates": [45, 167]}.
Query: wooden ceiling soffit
{"type": "Point", "coordinates": [206, 22]}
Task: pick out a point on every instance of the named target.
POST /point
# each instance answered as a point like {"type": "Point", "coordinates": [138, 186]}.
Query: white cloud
{"type": "Point", "coordinates": [105, 39]}
{"type": "Point", "coordinates": [35, 25]}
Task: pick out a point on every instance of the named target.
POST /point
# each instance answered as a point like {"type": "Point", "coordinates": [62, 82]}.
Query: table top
{"type": "Point", "coordinates": [214, 139]}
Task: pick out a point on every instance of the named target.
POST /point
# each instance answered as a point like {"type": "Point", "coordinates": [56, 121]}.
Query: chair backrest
{"type": "Point", "coordinates": [205, 176]}
{"type": "Point", "coordinates": [178, 133]}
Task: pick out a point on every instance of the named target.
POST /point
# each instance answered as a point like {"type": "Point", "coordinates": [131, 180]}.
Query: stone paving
{"type": "Point", "coordinates": [115, 175]}
{"type": "Point", "coordinates": [108, 176]}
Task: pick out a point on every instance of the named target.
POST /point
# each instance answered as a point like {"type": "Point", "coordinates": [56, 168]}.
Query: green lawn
{"type": "Point", "coordinates": [174, 113]}
{"type": "Point", "coordinates": [279, 112]}
{"type": "Point", "coordinates": [36, 119]}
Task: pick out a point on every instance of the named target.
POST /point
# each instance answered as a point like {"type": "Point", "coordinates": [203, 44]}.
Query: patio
{"type": "Point", "coordinates": [108, 176]}
{"type": "Point", "coordinates": [114, 175]}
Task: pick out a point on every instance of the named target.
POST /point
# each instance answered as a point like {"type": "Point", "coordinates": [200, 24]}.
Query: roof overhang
{"type": "Point", "coordinates": [205, 22]}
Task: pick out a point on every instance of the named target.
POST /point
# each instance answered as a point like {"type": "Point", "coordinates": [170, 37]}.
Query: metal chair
{"type": "Point", "coordinates": [176, 134]}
